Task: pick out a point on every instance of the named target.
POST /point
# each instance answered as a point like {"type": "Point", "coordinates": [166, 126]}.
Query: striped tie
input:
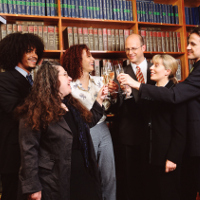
{"type": "Point", "coordinates": [139, 75]}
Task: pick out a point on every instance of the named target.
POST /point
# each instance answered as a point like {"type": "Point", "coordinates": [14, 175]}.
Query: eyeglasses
{"type": "Point", "coordinates": [132, 49]}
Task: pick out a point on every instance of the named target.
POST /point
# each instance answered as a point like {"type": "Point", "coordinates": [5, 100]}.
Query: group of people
{"type": "Point", "coordinates": [55, 144]}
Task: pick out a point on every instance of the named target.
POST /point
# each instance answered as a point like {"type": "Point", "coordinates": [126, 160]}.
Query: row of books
{"type": "Point", "coordinates": [98, 39]}
{"type": "Point", "coordinates": [161, 41]}
{"type": "Point", "coordinates": [99, 63]}
{"type": "Point", "coordinates": [98, 9]}
{"type": "Point", "coordinates": [29, 7]}
{"type": "Point", "coordinates": [148, 11]}
{"type": "Point", "coordinates": [49, 34]}
{"type": "Point", "coordinates": [192, 16]}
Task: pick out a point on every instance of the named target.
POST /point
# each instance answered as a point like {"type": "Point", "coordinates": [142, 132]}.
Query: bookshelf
{"type": "Point", "coordinates": [135, 25]}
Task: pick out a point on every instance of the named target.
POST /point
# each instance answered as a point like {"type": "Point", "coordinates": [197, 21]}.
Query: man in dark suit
{"type": "Point", "coordinates": [19, 54]}
{"type": "Point", "coordinates": [130, 121]}
{"type": "Point", "coordinates": [187, 91]}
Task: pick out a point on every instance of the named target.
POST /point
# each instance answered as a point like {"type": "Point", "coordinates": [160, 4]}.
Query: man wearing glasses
{"type": "Point", "coordinates": [130, 121]}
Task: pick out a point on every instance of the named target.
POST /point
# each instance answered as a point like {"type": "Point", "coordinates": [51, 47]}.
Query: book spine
{"type": "Point", "coordinates": [61, 8]}
{"type": "Point", "coordinates": [91, 38]}
{"type": "Point", "coordinates": [51, 37]}
{"type": "Point", "coordinates": [3, 30]}
{"type": "Point", "coordinates": [9, 29]}
{"type": "Point", "coordinates": [138, 11]}
{"type": "Point", "coordinates": [174, 42]}
{"type": "Point", "coordinates": [77, 3]}
{"type": "Point", "coordinates": [36, 7]}
{"type": "Point", "coordinates": [109, 39]}
{"type": "Point", "coordinates": [104, 9]}
{"type": "Point", "coordinates": [56, 36]}
{"type": "Point", "coordinates": [118, 10]}
{"type": "Point", "coordinates": [151, 40]}
{"type": "Point", "coordinates": [171, 49]}
{"type": "Point", "coordinates": [80, 9]}
{"type": "Point", "coordinates": [95, 9]}
{"type": "Point", "coordinates": [172, 14]}
{"type": "Point", "coordinates": [42, 7]}
{"type": "Point", "coordinates": [1, 9]}
{"type": "Point", "coordinates": [14, 28]}
{"type": "Point", "coordinates": [176, 17]}
{"type": "Point", "coordinates": [5, 6]}
{"type": "Point", "coordinates": [45, 37]}
{"type": "Point", "coordinates": [91, 9]}
{"type": "Point", "coordinates": [114, 10]}
{"type": "Point", "coordinates": [85, 36]}
{"type": "Point", "coordinates": [31, 29]}
{"type": "Point", "coordinates": [168, 14]}
{"type": "Point", "coordinates": [143, 34]}
{"type": "Point", "coordinates": [105, 39]}
{"type": "Point", "coordinates": [146, 8]}
{"type": "Point", "coordinates": [108, 9]}
{"type": "Point", "coordinates": [124, 10]}
{"type": "Point", "coordinates": [163, 41]}
{"type": "Point", "coordinates": [167, 41]}
{"type": "Point", "coordinates": [128, 11]}
{"type": "Point", "coordinates": [52, 7]}
{"type": "Point", "coordinates": [155, 49]}
{"type": "Point", "coordinates": [117, 39]}
{"type": "Point", "coordinates": [126, 34]}
{"type": "Point", "coordinates": [100, 9]}
{"type": "Point", "coordinates": [10, 7]}
{"type": "Point", "coordinates": [131, 10]}
{"type": "Point", "coordinates": [121, 39]}
{"type": "Point", "coordinates": [80, 35]}
{"type": "Point", "coordinates": [96, 41]}
{"type": "Point", "coordinates": [147, 41]}
{"type": "Point", "coordinates": [69, 8]}
{"type": "Point", "coordinates": [73, 8]}
{"type": "Point", "coordinates": [40, 32]}
{"type": "Point", "coordinates": [97, 67]}
{"type": "Point", "coordinates": [35, 29]}
{"type": "Point", "coordinates": [154, 13]}
{"type": "Point", "coordinates": [100, 39]}
{"type": "Point", "coordinates": [178, 41]}
{"type": "Point", "coordinates": [25, 28]}
{"type": "Point", "coordinates": [84, 9]}
{"type": "Point", "coordinates": [113, 40]}
{"type": "Point", "coordinates": [159, 41]}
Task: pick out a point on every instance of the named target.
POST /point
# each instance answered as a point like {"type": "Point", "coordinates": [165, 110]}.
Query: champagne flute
{"type": "Point", "coordinates": [104, 74]}
{"type": "Point", "coordinates": [119, 69]}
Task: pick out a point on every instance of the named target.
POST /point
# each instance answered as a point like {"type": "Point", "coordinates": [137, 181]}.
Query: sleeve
{"type": "Point", "coordinates": [97, 112]}
{"type": "Point", "coordinates": [177, 145]}
{"type": "Point", "coordinates": [186, 90]}
{"type": "Point", "coordinates": [9, 95]}
{"type": "Point", "coordinates": [29, 141]}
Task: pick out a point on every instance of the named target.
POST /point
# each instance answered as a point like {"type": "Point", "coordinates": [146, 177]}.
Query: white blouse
{"type": "Point", "coordinates": [87, 97]}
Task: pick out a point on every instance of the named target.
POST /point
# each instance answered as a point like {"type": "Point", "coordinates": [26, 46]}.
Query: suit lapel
{"type": "Point", "coordinates": [64, 124]}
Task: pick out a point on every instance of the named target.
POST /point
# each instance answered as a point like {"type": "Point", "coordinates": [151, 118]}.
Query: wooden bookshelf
{"type": "Point", "coordinates": [63, 22]}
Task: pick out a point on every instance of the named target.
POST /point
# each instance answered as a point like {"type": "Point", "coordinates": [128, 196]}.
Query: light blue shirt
{"type": "Point", "coordinates": [21, 71]}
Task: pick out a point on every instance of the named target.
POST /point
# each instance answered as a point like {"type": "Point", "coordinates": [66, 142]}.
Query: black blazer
{"type": "Point", "coordinates": [187, 91]}
{"type": "Point", "coordinates": [129, 122]}
{"type": "Point", "coordinates": [13, 89]}
{"type": "Point", "coordinates": [167, 131]}
{"type": "Point", "coordinates": [46, 159]}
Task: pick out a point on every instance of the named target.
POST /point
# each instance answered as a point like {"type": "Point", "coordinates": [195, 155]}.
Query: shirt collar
{"type": "Point", "coordinates": [21, 71]}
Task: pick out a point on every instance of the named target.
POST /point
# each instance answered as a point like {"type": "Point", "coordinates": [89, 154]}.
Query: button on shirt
{"type": "Point", "coordinates": [143, 67]}
{"type": "Point", "coordinates": [88, 97]}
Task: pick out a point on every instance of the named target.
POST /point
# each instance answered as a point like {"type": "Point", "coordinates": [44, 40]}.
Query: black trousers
{"type": "Point", "coordinates": [134, 188]}
{"type": "Point", "coordinates": [160, 185]}
{"type": "Point", "coordinates": [190, 178]}
{"type": "Point", "coordinates": [9, 186]}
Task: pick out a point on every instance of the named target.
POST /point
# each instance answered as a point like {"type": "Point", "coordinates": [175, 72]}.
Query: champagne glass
{"type": "Point", "coordinates": [118, 70]}
{"type": "Point", "coordinates": [104, 74]}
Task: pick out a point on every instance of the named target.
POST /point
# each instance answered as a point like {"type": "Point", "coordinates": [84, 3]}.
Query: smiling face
{"type": "Point", "coordinates": [29, 60]}
{"type": "Point", "coordinates": [135, 49]}
{"type": "Point", "coordinates": [159, 73]}
{"type": "Point", "coordinates": [193, 47]}
{"type": "Point", "coordinates": [87, 61]}
{"type": "Point", "coordinates": [65, 80]}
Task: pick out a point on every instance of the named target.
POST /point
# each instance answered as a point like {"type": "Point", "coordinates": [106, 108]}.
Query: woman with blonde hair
{"type": "Point", "coordinates": [166, 138]}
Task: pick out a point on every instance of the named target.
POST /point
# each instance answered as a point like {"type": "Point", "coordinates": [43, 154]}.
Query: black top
{"type": "Point", "coordinates": [82, 185]}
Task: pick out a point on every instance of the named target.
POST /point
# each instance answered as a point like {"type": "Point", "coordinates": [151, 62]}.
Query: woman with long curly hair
{"type": "Point", "coordinates": [78, 62]}
{"type": "Point", "coordinates": [57, 155]}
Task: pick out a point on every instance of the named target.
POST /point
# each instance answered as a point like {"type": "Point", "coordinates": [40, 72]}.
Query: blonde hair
{"type": "Point", "coordinates": [168, 62]}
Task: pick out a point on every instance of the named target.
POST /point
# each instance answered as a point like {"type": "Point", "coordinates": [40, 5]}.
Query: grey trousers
{"type": "Point", "coordinates": [105, 157]}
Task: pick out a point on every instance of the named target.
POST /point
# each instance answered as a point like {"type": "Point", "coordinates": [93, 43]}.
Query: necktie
{"type": "Point", "coordinates": [29, 78]}
{"type": "Point", "coordinates": [139, 75]}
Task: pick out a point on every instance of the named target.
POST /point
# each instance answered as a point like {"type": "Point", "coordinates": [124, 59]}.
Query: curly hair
{"type": "Point", "coordinates": [72, 60]}
{"type": "Point", "coordinates": [14, 45]}
{"type": "Point", "coordinates": [43, 105]}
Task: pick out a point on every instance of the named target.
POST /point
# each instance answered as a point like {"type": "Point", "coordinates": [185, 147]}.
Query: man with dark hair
{"type": "Point", "coordinates": [187, 91]}
{"type": "Point", "coordinates": [19, 54]}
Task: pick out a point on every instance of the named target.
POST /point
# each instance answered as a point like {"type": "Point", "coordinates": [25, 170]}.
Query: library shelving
{"type": "Point", "coordinates": [135, 25]}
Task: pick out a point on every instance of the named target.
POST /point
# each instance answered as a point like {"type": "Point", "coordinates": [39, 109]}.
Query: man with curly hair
{"type": "Point", "coordinates": [19, 54]}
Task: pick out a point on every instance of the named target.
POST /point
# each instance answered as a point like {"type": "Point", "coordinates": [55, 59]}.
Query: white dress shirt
{"type": "Point", "coordinates": [143, 67]}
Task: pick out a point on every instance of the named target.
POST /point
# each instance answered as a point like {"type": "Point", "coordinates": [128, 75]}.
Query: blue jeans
{"type": "Point", "coordinates": [105, 157]}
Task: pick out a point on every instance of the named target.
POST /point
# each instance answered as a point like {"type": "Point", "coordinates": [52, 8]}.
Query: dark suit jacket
{"type": "Point", "coordinates": [167, 131]}
{"type": "Point", "coordinates": [130, 122]}
{"type": "Point", "coordinates": [46, 158]}
{"type": "Point", "coordinates": [187, 91]}
{"type": "Point", "coordinates": [13, 89]}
